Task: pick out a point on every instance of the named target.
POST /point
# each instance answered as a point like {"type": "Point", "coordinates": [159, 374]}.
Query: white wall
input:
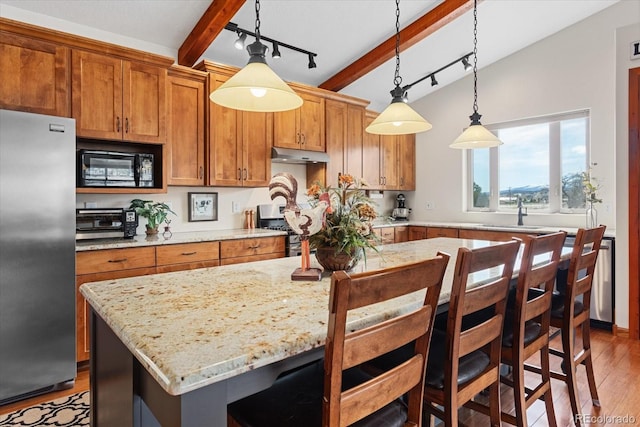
{"type": "Point", "coordinates": [583, 66]}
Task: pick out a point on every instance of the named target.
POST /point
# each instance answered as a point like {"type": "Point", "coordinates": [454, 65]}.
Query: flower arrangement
{"type": "Point", "coordinates": [590, 187]}
{"type": "Point", "coordinates": [349, 226]}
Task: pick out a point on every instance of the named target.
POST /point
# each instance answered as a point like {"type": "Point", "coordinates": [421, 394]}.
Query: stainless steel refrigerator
{"type": "Point", "coordinates": [37, 254]}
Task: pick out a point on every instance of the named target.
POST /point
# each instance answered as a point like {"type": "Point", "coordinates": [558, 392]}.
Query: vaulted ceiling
{"type": "Point", "coordinates": [354, 39]}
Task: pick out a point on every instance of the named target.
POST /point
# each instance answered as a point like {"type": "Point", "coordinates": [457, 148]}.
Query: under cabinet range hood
{"type": "Point", "coordinates": [288, 155]}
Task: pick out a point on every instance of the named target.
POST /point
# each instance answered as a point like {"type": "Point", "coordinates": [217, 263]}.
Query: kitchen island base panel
{"type": "Point", "coordinates": [134, 398]}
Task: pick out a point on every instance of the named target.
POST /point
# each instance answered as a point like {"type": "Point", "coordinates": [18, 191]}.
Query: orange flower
{"type": "Point", "coordinates": [346, 180]}
{"type": "Point", "coordinates": [314, 190]}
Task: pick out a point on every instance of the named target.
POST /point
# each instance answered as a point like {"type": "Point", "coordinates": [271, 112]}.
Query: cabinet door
{"type": "Point", "coordinates": [311, 123]}
{"type": "Point", "coordinates": [389, 161]}
{"type": "Point", "coordinates": [97, 95]}
{"type": "Point", "coordinates": [371, 155]}
{"type": "Point", "coordinates": [386, 234]}
{"type": "Point", "coordinates": [335, 132]}
{"type": "Point", "coordinates": [353, 145]}
{"type": "Point", "coordinates": [417, 232]}
{"type": "Point", "coordinates": [257, 134]}
{"type": "Point", "coordinates": [285, 129]}
{"type": "Point", "coordinates": [186, 107]}
{"type": "Point", "coordinates": [225, 144]}
{"type": "Point", "coordinates": [144, 107]}
{"type": "Point", "coordinates": [407, 161]}
{"type": "Point", "coordinates": [401, 234]}
{"type": "Point", "coordinates": [34, 76]}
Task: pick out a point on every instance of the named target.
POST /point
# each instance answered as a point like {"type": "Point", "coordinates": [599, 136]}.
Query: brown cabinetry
{"type": "Point", "coordinates": [371, 154]}
{"type": "Point", "coordinates": [34, 75]}
{"type": "Point", "coordinates": [489, 235]}
{"type": "Point", "coordinates": [417, 232]}
{"type": "Point", "coordinates": [401, 234]}
{"type": "Point", "coordinates": [302, 128]}
{"type": "Point", "coordinates": [386, 234]}
{"type": "Point", "coordinates": [239, 148]}
{"type": "Point", "coordinates": [115, 99]}
{"type": "Point", "coordinates": [110, 264]}
{"type": "Point", "coordinates": [441, 232]}
{"type": "Point", "coordinates": [187, 256]}
{"type": "Point", "coordinates": [186, 123]}
{"type": "Point", "coordinates": [406, 162]}
{"type": "Point", "coordinates": [246, 250]}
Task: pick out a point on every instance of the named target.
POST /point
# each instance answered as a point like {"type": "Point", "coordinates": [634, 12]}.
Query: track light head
{"type": "Point", "coordinates": [434, 82]}
{"type": "Point", "coordinates": [466, 64]}
{"type": "Point", "coordinates": [312, 62]}
{"type": "Point", "coordinates": [239, 43]}
{"type": "Point", "coordinates": [276, 52]}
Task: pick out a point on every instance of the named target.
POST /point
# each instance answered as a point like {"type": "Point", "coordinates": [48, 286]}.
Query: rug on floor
{"type": "Point", "coordinates": [67, 411]}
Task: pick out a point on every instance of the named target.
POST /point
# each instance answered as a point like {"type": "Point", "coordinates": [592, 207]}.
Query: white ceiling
{"type": "Point", "coordinates": [339, 31]}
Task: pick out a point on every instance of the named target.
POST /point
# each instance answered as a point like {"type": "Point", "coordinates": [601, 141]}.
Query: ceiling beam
{"type": "Point", "coordinates": [217, 15]}
{"type": "Point", "coordinates": [427, 24]}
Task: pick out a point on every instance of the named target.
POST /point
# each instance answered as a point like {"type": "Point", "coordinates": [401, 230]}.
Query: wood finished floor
{"type": "Point", "coordinates": [617, 372]}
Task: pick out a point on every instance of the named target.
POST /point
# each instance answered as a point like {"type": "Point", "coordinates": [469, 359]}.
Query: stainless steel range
{"type": "Point", "coordinates": [271, 217]}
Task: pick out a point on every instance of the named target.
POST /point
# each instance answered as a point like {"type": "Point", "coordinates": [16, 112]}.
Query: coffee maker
{"type": "Point", "coordinates": [401, 212]}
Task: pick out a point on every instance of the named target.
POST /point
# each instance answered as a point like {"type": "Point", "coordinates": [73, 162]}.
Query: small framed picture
{"type": "Point", "coordinates": [203, 207]}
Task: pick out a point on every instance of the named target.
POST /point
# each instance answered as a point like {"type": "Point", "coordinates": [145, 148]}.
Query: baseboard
{"type": "Point", "coordinates": [620, 332]}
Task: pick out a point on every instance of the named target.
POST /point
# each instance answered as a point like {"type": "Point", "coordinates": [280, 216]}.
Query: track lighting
{"type": "Point", "coordinates": [434, 82]}
{"type": "Point", "coordinates": [276, 52]}
{"type": "Point", "coordinates": [465, 63]}
{"type": "Point", "coordinates": [239, 43]}
{"type": "Point", "coordinates": [275, 44]}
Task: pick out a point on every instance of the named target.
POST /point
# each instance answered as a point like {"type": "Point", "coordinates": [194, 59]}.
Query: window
{"type": "Point", "coordinates": [541, 162]}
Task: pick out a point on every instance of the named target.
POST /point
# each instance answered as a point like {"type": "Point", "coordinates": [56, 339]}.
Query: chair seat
{"type": "Point", "coordinates": [296, 400]}
{"type": "Point", "coordinates": [470, 366]}
{"type": "Point", "coordinates": [557, 306]}
{"type": "Point", "coordinates": [531, 332]}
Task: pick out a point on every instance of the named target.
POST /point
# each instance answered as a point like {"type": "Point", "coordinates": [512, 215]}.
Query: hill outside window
{"type": "Point", "coordinates": [542, 160]}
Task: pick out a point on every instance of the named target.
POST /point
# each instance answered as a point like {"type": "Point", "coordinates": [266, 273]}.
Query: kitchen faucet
{"type": "Point", "coordinates": [520, 213]}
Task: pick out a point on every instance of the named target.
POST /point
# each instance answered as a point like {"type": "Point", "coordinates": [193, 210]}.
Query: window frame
{"type": "Point", "coordinates": [555, 162]}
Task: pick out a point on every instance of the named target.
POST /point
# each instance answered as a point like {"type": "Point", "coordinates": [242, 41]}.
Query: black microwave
{"type": "Point", "coordinates": [114, 169]}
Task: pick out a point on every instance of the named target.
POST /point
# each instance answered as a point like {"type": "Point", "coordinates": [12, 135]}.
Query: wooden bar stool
{"type": "Point", "coordinates": [465, 361]}
{"type": "Point", "coordinates": [526, 327]}
{"type": "Point", "coordinates": [341, 394]}
{"type": "Point", "coordinates": [569, 313]}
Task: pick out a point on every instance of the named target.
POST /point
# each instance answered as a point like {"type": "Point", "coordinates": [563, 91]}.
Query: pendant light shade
{"type": "Point", "coordinates": [256, 87]}
{"type": "Point", "coordinates": [398, 119]}
{"type": "Point", "coordinates": [476, 135]}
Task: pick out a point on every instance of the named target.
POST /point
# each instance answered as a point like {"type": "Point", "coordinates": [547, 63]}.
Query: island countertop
{"type": "Point", "coordinates": [193, 328]}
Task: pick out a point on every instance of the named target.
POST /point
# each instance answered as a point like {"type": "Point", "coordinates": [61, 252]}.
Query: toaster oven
{"type": "Point", "coordinates": [110, 223]}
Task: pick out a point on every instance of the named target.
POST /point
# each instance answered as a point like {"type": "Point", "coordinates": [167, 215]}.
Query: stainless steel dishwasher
{"type": "Point", "coordinates": [603, 286]}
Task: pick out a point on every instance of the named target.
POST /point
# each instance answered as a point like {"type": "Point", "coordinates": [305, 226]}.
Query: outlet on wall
{"type": "Point", "coordinates": [235, 207]}
{"type": "Point", "coordinates": [429, 205]}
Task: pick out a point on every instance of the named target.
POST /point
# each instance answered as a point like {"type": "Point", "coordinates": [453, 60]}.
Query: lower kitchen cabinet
{"type": "Point", "coordinates": [417, 232]}
{"type": "Point", "coordinates": [386, 234]}
{"type": "Point", "coordinates": [187, 256]}
{"type": "Point", "coordinates": [498, 236]}
{"type": "Point", "coordinates": [93, 266]}
{"type": "Point", "coordinates": [441, 232]}
{"type": "Point", "coordinates": [247, 250]}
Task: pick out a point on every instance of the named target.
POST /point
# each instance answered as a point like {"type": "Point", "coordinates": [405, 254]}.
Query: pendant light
{"type": "Point", "coordinates": [256, 87]}
{"type": "Point", "coordinates": [476, 135]}
{"type": "Point", "coordinates": [398, 118]}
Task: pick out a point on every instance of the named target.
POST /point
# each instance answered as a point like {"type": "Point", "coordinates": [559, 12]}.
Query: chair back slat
{"type": "Point", "coordinates": [345, 349]}
{"type": "Point", "coordinates": [480, 335]}
{"type": "Point", "coordinates": [582, 265]}
{"type": "Point", "coordinates": [488, 294]}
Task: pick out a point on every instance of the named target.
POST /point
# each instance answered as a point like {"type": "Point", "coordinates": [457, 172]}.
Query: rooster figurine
{"type": "Point", "coordinates": [304, 222]}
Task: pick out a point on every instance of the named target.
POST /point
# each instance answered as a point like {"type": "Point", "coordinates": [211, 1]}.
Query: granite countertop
{"type": "Point", "coordinates": [182, 237]}
{"type": "Point", "coordinates": [197, 327]}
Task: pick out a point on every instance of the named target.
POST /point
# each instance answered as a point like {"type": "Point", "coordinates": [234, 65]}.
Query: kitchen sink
{"type": "Point", "coordinates": [528, 227]}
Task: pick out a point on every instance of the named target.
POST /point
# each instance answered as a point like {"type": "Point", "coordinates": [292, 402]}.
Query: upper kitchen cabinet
{"type": "Point", "coordinates": [239, 146]}
{"type": "Point", "coordinates": [302, 128]}
{"type": "Point", "coordinates": [186, 108]}
{"type": "Point", "coordinates": [371, 154]}
{"type": "Point", "coordinates": [406, 161]}
{"type": "Point", "coordinates": [344, 127]}
{"type": "Point", "coordinates": [116, 99]}
{"type": "Point", "coordinates": [34, 75]}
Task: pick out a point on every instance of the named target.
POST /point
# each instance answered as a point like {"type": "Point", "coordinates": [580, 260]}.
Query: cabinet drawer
{"type": "Point", "coordinates": [441, 232]}
{"type": "Point", "coordinates": [114, 259]}
{"type": "Point", "coordinates": [386, 234]}
{"type": "Point", "coordinates": [247, 247]}
{"type": "Point", "coordinates": [187, 252]}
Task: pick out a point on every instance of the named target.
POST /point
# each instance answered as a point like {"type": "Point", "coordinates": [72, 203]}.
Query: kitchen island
{"type": "Point", "coordinates": [182, 345]}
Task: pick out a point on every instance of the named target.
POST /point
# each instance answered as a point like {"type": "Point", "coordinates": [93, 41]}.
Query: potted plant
{"type": "Point", "coordinates": [154, 212]}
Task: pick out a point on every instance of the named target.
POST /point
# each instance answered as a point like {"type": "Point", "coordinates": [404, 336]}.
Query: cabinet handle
{"type": "Point", "coordinates": [126, 125]}
{"type": "Point", "coordinates": [118, 124]}
{"type": "Point", "coordinates": [298, 140]}
{"type": "Point", "coordinates": [201, 172]}
{"type": "Point", "coordinates": [189, 253]}
{"type": "Point", "coordinates": [304, 138]}
{"type": "Point", "coordinates": [401, 180]}
{"type": "Point", "coordinates": [239, 174]}
{"type": "Point", "coordinates": [245, 174]}
{"type": "Point", "coordinates": [118, 260]}
{"type": "Point", "coordinates": [255, 247]}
